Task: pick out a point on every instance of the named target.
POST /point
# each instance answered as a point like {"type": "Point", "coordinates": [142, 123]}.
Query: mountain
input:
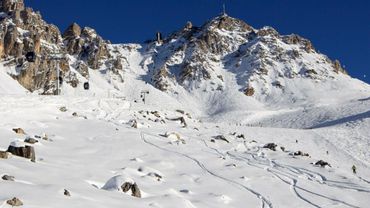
{"type": "Point", "coordinates": [221, 115]}
{"type": "Point", "coordinates": [224, 58]}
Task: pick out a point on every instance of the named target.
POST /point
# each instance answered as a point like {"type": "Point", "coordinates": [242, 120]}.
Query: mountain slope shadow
{"type": "Point", "coordinates": [347, 119]}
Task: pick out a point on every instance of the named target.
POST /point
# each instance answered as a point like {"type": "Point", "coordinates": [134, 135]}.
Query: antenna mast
{"type": "Point", "coordinates": [224, 9]}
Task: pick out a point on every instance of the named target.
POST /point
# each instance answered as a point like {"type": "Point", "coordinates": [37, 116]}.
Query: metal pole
{"type": "Point", "coordinates": [57, 79]}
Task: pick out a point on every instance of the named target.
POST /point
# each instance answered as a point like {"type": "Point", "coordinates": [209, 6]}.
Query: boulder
{"type": "Point", "coordinates": [271, 146]}
{"type": "Point", "coordinates": [31, 140]}
{"type": "Point", "coordinates": [8, 178]}
{"type": "Point", "coordinates": [135, 191]}
{"type": "Point", "coordinates": [63, 109]}
{"type": "Point", "coordinates": [4, 155]}
{"type": "Point", "coordinates": [249, 91]}
{"type": "Point", "coordinates": [15, 202]}
{"type": "Point", "coordinates": [300, 153]}
{"type": "Point", "coordinates": [126, 187]}
{"type": "Point", "coordinates": [322, 163]}
{"type": "Point", "coordinates": [222, 138]}
{"type": "Point", "coordinates": [25, 151]}
{"type": "Point", "coordinates": [19, 131]}
{"type": "Point", "coordinates": [66, 193]}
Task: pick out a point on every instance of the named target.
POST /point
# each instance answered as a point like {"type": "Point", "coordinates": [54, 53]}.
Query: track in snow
{"type": "Point", "coordinates": [265, 202]}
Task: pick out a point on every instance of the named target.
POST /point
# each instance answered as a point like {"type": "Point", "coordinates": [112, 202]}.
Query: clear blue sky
{"type": "Point", "coordinates": [337, 28]}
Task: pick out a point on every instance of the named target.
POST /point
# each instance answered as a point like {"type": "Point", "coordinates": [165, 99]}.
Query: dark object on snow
{"type": "Point", "coordinates": [66, 193]}
{"type": "Point", "coordinates": [300, 153]}
{"type": "Point", "coordinates": [241, 136]}
{"type": "Point", "coordinates": [271, 146]}
{"type": "Point", "coordinates": [31, 56]}
{"type": "Point", "coordinates": [222, 138]}
{"type": "Point", "coordinates": [4, 155]}
{"type": "Point", "coordinates": [181, 119]}
{"type": "Point", "coordinates": [15, 202]}
{"type": "Point", "coordinates": [31, 140]}
{"type": "Point", "coordinates": [135, 191]}
{"type": "Point", "coordinates": [19, 131]}
{"type": "Point", "coordinates": [354, 169]}
{"type": "Point", "coordinates": [86, 86]}
{"type": "Point", "coordinates": [63, 109]}
{"type": "Point", "coordinates": [282, 149]}
{"type": "Point", "coordinates": [126, 187]}
{"type": "Point", "coordinates": [8, 178]}
{"type": "Point", "coordinates": [26, 152]}
{"type": "Point", "coordinates": [322, 163]}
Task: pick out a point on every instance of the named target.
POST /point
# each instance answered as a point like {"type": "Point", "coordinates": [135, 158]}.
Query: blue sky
{"type": "Point", "coordinates": [337, 28]}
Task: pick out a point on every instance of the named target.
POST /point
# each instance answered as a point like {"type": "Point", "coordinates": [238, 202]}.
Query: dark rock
{"type": "Point", "coordinates": [300, 153]}
{"type": "Point", "coordinates": [26, 152]}
{"type": "Point", "coordinates": [249, 91]}
{"type": "Point", "coordinates": [63, 109]}
{"type": "Point", "coordinates": [19, 131]}
{"type": "Point", "coordinates": [4, 155]}
{"type": "Point", "coordinates": [66, 193]}
{"type": "Point", "coordinates": [15, 202]}
{"type": "Point", "coordinates": [126, 187]}
{"type": "Point", "coordinates": [322, 163]}
{"type": "Point", "coordinates": [222, 138]}
{"type": "Point", "coordinates": [271, 146]}
{"type": "Point", "coordinates": [8, 178]}
{"type": "Point", "coordinates": [135, 191]}
{"type": "Point", "coordinates": [31, 140]}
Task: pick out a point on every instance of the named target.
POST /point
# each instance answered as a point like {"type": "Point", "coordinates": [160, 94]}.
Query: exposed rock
{"type": "Point", "coordinates": [300, 153]}
{"type": "Point", "coordinates": [4, 155]}
{"type": "Point", "coordinates": [181, 119]}
{"type": "Point", "coordinates": [15, 202]}
{"type": "Point", "coordinates": [72, 32]}
{"type": "Point", "coordinates": [63, 109]}
{"type": "Point", "coordinates": [338, 67]}
{"type": "Point", "coordinates": [66, 193]}
{"type": "Point", "coordinates": [135, 191]}
{"type": "Point", "coordinates": [31, 140]}
{"type": "Point", "coordinates": [26, 152]}
{"type": "Point", "coordinates": [271, 146]}
{"type": "Point", "coordinates": [19, 131]}
{"type": "Point", "coordinates": [126, 187]}
{"type": "Point", "coordinates": [222, 138]}
{"type": "Point", "coordinates": [8, 178]}
{"type": "Point", "coordinates": [322, 163]}
{"type": "Point", "coordinates": [249, 91]}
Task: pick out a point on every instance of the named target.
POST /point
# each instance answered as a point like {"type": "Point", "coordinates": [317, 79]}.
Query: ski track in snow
{"type": "Point", "coordinates": [265, 202]}
{"type": "Point", "coordinates": [291, 175]}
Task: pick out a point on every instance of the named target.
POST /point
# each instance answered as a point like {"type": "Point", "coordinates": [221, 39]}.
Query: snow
{"type": "Point", "coordinates": [92, 157]}
{"type": "Point", "coordinates": [9, 85]}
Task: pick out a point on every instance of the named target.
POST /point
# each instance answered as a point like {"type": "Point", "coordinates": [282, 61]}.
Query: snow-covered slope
{"type": "Point", "coordinates": [186, 118]}
{"type": "Point", "coordinates": [94, 153]}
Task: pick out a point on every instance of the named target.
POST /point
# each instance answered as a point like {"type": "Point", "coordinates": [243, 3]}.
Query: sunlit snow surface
{"type": "Point", "coordinates": [86, 155]}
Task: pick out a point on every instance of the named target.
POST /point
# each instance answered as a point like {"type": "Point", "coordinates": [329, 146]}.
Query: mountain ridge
{"type": "Point", "coordinates": [223, 56]}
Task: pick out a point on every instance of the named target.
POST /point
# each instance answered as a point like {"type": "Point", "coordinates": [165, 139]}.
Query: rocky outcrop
{"type": "Point", "coordinates": [26, 152]}
{"type": "Point", "coordinates": [86, 44]}
{"type": "Point", "coordinates": [15, 202]}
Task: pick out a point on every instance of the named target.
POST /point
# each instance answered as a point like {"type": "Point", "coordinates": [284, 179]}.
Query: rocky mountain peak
{"type": "Point", "coordinates": [73, 31]}
{"type": "Point", "coordinates": [227, 23]}
{"type": "Point", "coordinates": [11, 5]}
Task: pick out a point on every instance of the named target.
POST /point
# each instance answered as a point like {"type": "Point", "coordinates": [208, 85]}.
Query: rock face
{"type": "Point", "coordinates": [22, 31]}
